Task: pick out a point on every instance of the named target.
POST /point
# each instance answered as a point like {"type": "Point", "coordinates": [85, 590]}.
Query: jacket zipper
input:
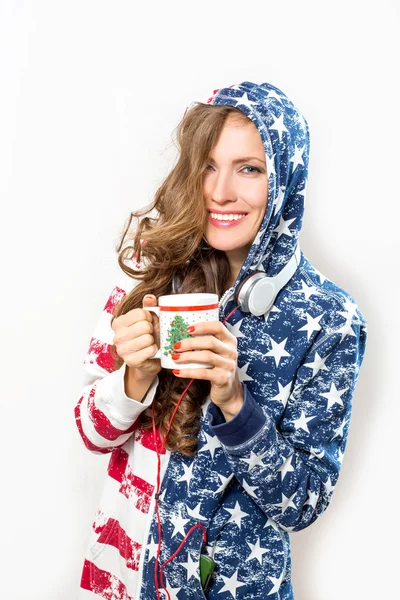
{"type": "Point", "coordinates": [224, 301]}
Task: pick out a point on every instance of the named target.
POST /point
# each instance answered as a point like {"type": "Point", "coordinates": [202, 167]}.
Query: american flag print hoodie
{"type": "Point", "coordinates": [270, 471]}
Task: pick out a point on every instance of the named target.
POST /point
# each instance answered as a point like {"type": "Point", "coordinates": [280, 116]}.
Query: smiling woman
{"type": "Point", "coordinates": [235, 190]}
{"type": "Point", "coordinates": [253, 445]}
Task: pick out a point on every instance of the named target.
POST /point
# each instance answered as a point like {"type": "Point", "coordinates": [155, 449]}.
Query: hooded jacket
{"type": "Point", "coordinates": [272, 469]}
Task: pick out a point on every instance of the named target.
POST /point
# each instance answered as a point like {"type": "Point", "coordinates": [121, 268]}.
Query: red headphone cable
{"type": "Point", "coordinates": [156, 440]}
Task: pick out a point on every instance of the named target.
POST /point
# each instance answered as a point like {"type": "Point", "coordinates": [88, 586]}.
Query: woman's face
{"type": "Point", "coordinates": [235, 188]}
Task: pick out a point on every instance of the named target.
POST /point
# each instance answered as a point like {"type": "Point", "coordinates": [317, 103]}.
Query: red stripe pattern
{"type": "Point", "coordinates": [95, 426]}
{"type": "Point", "coordinates": [111, 533]}
{"type": "Point", "coordinates": [102, 352]}
{"type": "Point", "coordinates": [132, 486]}
{"type": "Point", "coordinates": [103, 583]}
{"type": "Point", "coordinates": [115, 298]}
{"type": "Point", "coordinates": [101, 423]}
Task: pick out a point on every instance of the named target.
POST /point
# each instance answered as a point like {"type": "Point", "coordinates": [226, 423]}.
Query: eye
{"type": "Point", "coordinates": [255, 169]}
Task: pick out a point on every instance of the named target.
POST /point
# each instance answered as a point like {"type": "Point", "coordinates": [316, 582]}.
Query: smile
{"type": "Point", "coordinates": [225, 219]}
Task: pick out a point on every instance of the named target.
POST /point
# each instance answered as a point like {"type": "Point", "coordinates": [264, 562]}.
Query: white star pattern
{"type": "Point", "coordinates": [256, 551]}
{"type": "Point", "coordinates": [340, 430]}
{"type": "Point", "coordinates": [255, 459]}
{"type": "Point", "coordinates": [350, 309]}
{"type": "Point", "coordinates": [242, 373]}
{"type": "Point", "coordinates": [187, 476]}
{"type": "Point", "coordinates": [274, 309]}
{"type": "Point", "coordinates": [334, 396]}
{"type": "Point", "coordinates": [278, 350]}
{"type": "Point", "coordinates": [245, 100]}
{"type": "Point", "coordinates": [286, 467]}
{"type": "Point", "coordinates": [284, 393]}
{"type": "Point", "coordinates": [271, 523]}
{"type": "Point", "coordinates": [276, 582]}
{"type": "Point", "coordinates": [250, 489]}
{"type": "Point", "coordinates": [173, 592]}
{"type": "Point", "coordinates": [301, 422]}
{"type": "Point", "coordinates": [345, 329]}
{"type": "Point", "coordinates": [162, 495]}
{"type": "Point", "coordinates": [212, 444]}
{"type": "Point", "coordinates": [179, 523]}
{"type": "Point", "coordinates": [236, 514]}
{"type": "Point", "coordinates": [191, 567]}
{"type": "Point", "coordinates": [340, 455]}
{"type": "Point", "coordinates": [283, 227]}
{"type": "Point", "coordinates": [231, 584]}
{"type": "Point", "coordinates": [152, 547]}
{"type": "Point", "coordinates": [286, 502]}
{"type": "Point", "coordinates": [270, 165]}
{"type": "Point", "coordinates": [307, 290]}
{"type": "Point", "coordinates": [224, 482]}
{"type": "Point", "coordinates": [297, 159]}
{"type": "Point", "coordinates": [195, 512]}
{"type": "Point", "coordinates": [328, 486]}
{"type": "Point", "coordinates": [318, 364]}
{"type": "Point", "coordinates": [279, 126]}
{"type": "Point", "coordinates": [312, 324]}
{"type": "Point", "coordinates": [235, 329]}
{"type": "Point", "coordinates": [312, 498]}
{"type": "Point", "coordinates": [273, 94]}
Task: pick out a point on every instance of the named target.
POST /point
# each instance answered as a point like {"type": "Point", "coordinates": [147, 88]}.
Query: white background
{"type": "Point", "coordinates": [90, 93]}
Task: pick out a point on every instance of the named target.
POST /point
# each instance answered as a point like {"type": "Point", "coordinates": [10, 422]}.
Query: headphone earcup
{"type": "Point", "coordinates": [261, 296]}
{"type": "Point", "coordinates": [256, 294]}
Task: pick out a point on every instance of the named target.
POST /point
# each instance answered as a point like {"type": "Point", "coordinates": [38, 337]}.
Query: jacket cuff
{"type": "Point", "coordinates": [110, 391]}
{"type": "Point", "coordinates": [245, 425]}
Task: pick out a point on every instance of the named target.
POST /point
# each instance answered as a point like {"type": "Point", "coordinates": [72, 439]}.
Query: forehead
{"type": "Point", "coordinates": [237, 139]}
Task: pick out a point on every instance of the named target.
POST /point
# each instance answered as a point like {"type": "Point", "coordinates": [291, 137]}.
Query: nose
{"type": "Point", "coordinates": [222, 188]}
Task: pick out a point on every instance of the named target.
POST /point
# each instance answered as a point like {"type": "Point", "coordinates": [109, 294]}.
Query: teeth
{"type": "Point", "coordinates": [227, 217]}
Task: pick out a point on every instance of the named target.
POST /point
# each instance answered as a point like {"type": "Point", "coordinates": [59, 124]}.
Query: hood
{"type": "Point", "coordinates": [285, 136]}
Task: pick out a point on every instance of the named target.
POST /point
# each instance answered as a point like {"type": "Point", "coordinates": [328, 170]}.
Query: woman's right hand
{"type": "Point", "coordinates": [137, 337]}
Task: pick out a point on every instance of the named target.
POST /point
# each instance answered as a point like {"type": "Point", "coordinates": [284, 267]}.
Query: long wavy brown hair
{"type": "Point", "coordinates": [172, 245]}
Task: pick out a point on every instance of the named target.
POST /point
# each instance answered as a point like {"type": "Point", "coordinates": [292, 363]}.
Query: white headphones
{"type": "Point", "coordinates": [258, 291]}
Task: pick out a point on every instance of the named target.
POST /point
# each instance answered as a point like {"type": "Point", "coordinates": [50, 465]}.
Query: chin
{"type": "Point", "coordinates": [226, 245]}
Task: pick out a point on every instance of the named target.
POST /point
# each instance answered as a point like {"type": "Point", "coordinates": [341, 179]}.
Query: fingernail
{"type": "Point", "coordinates": [175, 356]}
{"type": "Point", "coordinates": [177, 345]}
{"type": "Point", "coordinates": [176, 371]}
{"type": "Point", "coordinates": [190, 329]}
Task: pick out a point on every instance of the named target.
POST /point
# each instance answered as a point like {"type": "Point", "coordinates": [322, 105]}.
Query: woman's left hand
{"type": "Point", "coordinates": [218, 349]}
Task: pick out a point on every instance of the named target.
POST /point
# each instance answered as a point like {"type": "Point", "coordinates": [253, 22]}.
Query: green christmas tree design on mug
{"type": "Point", "coordinates": [176, 332]}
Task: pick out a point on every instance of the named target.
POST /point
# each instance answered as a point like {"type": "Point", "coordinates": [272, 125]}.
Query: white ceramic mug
{"type": "Point", "coordinates": [176, 312]}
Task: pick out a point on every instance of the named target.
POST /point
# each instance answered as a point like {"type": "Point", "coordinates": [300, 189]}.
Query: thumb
{"type": "Point", "coordinates": [149, 300]}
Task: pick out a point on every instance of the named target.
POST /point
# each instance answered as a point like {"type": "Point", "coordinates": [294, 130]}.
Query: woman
{"type": "Point", "coordinates": [255, 448]}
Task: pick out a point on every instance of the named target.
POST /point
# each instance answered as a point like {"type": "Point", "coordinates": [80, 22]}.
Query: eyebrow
{"type": "Point", "coordinates": [243, 159]}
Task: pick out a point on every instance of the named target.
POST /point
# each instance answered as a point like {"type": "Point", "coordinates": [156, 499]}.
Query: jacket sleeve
{"type": "Point", "coordinates": [104, 414]}
{"type": "Point", "coordinates": [290, 469]}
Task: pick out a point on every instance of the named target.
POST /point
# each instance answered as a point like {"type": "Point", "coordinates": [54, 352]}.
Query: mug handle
{"type": "Point", "coordinates": [156, 311]}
